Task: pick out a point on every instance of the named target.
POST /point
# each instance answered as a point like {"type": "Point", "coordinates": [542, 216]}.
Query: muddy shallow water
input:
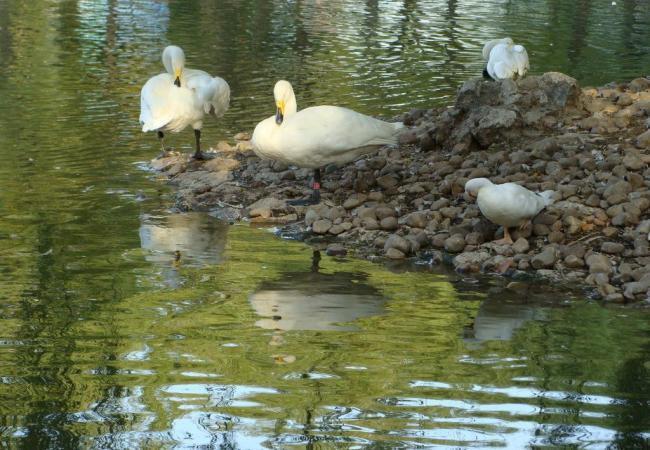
{"type": "Point", "coordinates": [107, 341]}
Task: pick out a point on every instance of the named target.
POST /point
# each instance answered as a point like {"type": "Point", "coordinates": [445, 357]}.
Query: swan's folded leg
{"type": "Point", "coordinates": [314, 198]}
{"type": "Point", "coordinates": [525, 224]}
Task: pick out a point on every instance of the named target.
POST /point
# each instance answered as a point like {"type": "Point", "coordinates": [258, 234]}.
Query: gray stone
{"type": "Point", "coordinates": [470, 261]}
{"type": "Point", "coordinates": [545, 259]}
{"type": "Point", "coordinates": [311, 216]}
{"type": "Point", "coordinates": [394, 253]}
{"type": "Point", "coordinates": [521, 245]}
{"type": "Point", "coordinates": [613, 248]}
{"type": "Point", "coordinates": [599, 263]}
{"type": "Point", "coordinates": [637, 287]}
{"type": "Point", "coordinates": [398, 243]}
{"type": "Point", "coordinates": [388, 223]}
{"type": "Point", "coordinates": [336, 250]}
{"type": "Point", "coordinates": [417, 220]}
{"type": "Point", "coordinates": [354, 200]}
{"type": "Point", "coordinates": [455, 243]}
{"type": "Point", "coordinates": [573, 262]}
{"type": "Point", "coordinates": [321, 226]}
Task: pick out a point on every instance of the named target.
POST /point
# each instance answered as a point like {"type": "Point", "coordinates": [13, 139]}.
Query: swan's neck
{"type": "Point", "coordinates": [290, 107]}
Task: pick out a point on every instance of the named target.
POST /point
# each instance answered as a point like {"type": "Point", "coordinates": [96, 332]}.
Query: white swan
{"type": "Point", "coordinates": [505, 59]}
{"type": "Point", "coordinates": [171, 101]}
{"type": "Point", "coordinates": [507, 204]}
{"type": "Point", "coordinates": [317, 136]}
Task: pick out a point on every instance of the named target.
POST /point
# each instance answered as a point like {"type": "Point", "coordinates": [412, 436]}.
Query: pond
{"type": "Point", "coordinates": [110, 339]}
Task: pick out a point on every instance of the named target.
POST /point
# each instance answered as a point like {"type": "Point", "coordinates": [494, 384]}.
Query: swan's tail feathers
{"type": "Point", "coordinates": [548, 197]}
{"type": "Point", "coordinates": [148, 124]}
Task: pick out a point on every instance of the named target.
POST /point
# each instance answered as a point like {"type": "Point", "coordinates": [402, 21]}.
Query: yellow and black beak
{"type": "Point", "coordinates": [279, 114]}
{"type": "Point", "coordinates": [177, 81]}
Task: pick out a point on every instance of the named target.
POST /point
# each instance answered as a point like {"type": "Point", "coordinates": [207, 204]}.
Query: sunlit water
{"type": "Point", "coordinates": [106, 341]}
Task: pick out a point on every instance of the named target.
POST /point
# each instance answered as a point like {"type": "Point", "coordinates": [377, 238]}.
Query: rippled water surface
{"type": "Point", "coordinates": [108, 341]}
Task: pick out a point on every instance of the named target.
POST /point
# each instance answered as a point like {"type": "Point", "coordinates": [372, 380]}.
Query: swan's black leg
{"type": "Point", "coordinates": [314, 198]}
{"type": "Point", "coordinates": [197, 153]}
{"type": "Point", "coordinates": [161, 135]}
{"type": "Point", "coordinates": [486, 75]}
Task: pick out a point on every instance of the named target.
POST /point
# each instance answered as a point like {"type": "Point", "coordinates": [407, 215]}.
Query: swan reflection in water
{"type": "Point", "coordinates": [312, 300]}
{"type": "Point", "coordinates": [194, 239]}
{"type": "Point", "coordinates": [498, 319]}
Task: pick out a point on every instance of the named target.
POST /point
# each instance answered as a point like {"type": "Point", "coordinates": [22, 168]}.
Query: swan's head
{"type": "Point", "coordinates": [284, 96]}
{"type": "Point", "coordinates": [473, 186]}
{"type": "Point", "coordinates": [173, 59]}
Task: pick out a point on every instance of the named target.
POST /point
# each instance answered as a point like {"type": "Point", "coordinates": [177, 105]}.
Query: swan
{"type": "Point", "coordinates": [317, 136]}
{"type": "Point", "coordinates": [171, 101]}
{"type": "Point", "coordinates": [504, 59]}
{"type": "Point", "coordinates": [507, 204]}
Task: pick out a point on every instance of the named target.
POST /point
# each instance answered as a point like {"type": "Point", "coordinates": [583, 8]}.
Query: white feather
{"type": "Point", "coordinates": [507, 204]}
{"type": "Point", "coordinates": [506, 60]}
{"type": "Point", "coordinates": [320, 135]}
{"type": "Point", "coordinates": [165, 106]}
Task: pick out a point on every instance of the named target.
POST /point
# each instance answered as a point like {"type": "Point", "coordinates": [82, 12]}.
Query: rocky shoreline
{"type": "Point", "coordinates": [590, 145]}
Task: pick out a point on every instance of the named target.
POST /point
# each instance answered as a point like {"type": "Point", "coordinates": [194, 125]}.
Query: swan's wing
{"type": "Point", "coordinates": [213, 94]}
{"type": "Point", "coordinates": [155, 110]}
{"type": "Point", "coordinates": [333, 130]}
{"type": "Point", "coordinates": [489, 45]}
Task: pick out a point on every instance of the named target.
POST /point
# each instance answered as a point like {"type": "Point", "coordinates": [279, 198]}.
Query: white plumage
{"type": "Point", "coordinates": [507, 204]}
{"type": "Point", "coordinates": [317, 136]}
{"type": "Point", "coordinates": [505, 59]}
{"type": "Point", "coordinates": [171, 101]}
{"type": "Point", "coordinates": [320, 135]}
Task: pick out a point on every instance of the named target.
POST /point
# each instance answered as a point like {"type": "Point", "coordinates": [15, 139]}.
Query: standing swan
{"type": "Point", "coordinates": [171, 101]}
{"type": "Point", "coordinates": [504, 59]}
{"type": "Point", "coordinates": [507, 204]}
{"type": "Point", "coordinates": [317, 136]}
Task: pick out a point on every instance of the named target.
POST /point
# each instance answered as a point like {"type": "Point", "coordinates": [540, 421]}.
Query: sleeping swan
{"type": "Point", "coordinates": [171, 101]}
{"type": "Point", "coordinates": [504, 59]}
{"type": "Point", "coordinates": [317, 136]}
{"type": "Point", "coordinates": [507, 204]}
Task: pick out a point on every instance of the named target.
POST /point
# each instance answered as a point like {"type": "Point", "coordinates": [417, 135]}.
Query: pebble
{"type": "Point", "coordinates": [613, 248]}
{"type": "Point", "coordinates": [599, 263]}
{"type": "Point", "coordinates": [336, 250]}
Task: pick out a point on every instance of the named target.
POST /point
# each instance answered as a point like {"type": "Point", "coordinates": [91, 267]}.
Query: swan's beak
{"type": "Point", "coordinates": [177, 81]}
{"type": "Point", "coordinates": [279, 114]}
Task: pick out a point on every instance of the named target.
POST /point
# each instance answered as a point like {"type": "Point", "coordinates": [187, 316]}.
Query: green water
{"type": "Point", "coordinates": [106, 342]}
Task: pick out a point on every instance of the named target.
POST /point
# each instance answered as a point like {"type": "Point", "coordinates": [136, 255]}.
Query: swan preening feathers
{"type": "Point", "coordinates": [505, 59]}
{"type": "Point", "coordinates": [319, 135]}
{"type": "Point", "coordinates": [507, 204]}
{"type": "Point", "coordinates": [180, 97]}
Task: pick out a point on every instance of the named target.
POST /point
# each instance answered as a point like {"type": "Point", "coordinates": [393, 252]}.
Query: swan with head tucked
{"type": "Point", "coordinates": [171, 101]}
{"type": "Point", "coordinates": [505, 59]}
{"type": "Point", "coordinates": [319, 135]}
{"type": "Point", "coordinates": [507, 204]}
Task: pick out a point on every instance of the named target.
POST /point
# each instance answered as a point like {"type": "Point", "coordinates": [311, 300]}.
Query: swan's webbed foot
{"type": "Point", "coordinates": [200, 156]}
{"type": "Point", "coordinates": [507, 239]}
